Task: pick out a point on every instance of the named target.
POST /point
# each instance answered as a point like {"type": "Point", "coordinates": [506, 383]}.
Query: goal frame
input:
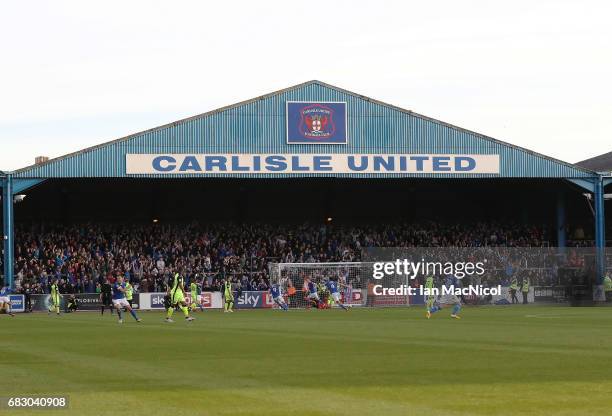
{"type": "Point", "coordinates": [359, 293]}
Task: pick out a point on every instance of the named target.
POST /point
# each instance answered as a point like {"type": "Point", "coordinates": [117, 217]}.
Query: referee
{"type": "Point", "coordinates": [105, 296]}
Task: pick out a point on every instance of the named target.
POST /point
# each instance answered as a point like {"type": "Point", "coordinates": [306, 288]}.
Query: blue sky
{"type": "Point", "coordinates": [75, 74]}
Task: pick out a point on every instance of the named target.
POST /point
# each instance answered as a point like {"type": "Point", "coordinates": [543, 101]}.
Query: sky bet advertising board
{"type": "Point", "coordinates": [253, 299]}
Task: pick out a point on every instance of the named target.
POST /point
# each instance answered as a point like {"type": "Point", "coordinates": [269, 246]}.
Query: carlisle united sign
{"type": "Point", "coordinates": [325, 163]}
{"type": "Point", "coordinates": [316, 122]}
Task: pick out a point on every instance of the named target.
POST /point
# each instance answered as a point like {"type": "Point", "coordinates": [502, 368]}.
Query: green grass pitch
{"type": "Point", "coordinates": [497, 360]}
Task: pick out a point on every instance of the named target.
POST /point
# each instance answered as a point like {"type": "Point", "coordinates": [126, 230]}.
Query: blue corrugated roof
{"type": "Point", "coordinates": [258, 126]}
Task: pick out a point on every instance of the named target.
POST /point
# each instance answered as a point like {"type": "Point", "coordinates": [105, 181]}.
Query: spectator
{"type": "Point", "coordinates": [83, 255]}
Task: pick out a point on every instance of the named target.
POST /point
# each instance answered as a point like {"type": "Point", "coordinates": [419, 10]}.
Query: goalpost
{"type": "Point", "coordinates": [357, 287]}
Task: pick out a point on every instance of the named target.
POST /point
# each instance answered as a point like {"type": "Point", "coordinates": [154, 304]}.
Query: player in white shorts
{"type": "Point", "coordinates": [277, 296]}
{"type": "Point", "coordinates": [120, 303]}
{"type": "Point", "coordinates": [119, 300]}
{"type": "Point", "coordinates": [332, 286]}
{"type": "Point", "coordinates": [5, 300]}
{"type": "Point", "coordinates": [451, 282]}
{"type": "Point", "coordinates": [449, 299]}
{"type": "Point", "coordinates": [313, 293]}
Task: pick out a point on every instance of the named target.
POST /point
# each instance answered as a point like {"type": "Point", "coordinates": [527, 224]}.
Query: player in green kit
{"type": "Point", "coordinates": [177, 296]}
{"type": "Point", "coordinates": [55, 298]}
{"type": "Point", "coordinates": [129, 291]}
{"type": "Point", "coordinates": [429, 298]}
{"type": "Point", "coordinates": [228, 294]}
{"type": "Point", "coordinates": [193, 288]}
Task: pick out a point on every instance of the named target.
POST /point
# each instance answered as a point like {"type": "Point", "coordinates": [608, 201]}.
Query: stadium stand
{"type": "Point", "coordinates": [218, 193]}
{"type": "Point", "coordinates": [84, 255]}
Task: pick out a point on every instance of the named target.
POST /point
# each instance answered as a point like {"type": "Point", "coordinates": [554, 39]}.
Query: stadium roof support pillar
{"type": "Point", "coordinates": [561, 225]}
{"type": "Point", "coordinates": [600, 228]}
{"type": "Point", "coordinates": [9, 244]}
{"type": "Point", "coordinates": [10, 187]}
{"type": "Point", "coordinates": [596, 187]}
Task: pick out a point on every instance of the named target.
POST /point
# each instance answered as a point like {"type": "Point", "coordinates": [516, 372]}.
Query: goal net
{"type": "Point", "coordinates": [357, 287]}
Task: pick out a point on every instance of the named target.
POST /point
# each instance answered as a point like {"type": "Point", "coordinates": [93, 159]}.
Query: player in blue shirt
{"type": "Point", "coordinates": [450, 283]}
{"type": "Point", "coordinates": [119, 300]}
{"type": "Point", "coordinates": [332, 286]}
{"type": "Point", "coordinates": [313, 292]}
{"type": "Point", "coordinates": [5, 300]}
{"type": "Point", "coordinates": [277, 295]}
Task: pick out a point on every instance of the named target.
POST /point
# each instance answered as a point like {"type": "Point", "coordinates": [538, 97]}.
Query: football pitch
{"type": "Point", "coordinates": [504, 360]}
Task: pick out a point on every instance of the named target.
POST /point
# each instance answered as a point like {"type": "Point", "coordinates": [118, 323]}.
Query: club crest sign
{"type": "Point", "coordinates": [316, 122]}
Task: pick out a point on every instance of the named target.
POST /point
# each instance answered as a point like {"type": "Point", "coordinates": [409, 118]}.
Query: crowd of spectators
{"type": "Point", "coordinates": [82, 256]}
